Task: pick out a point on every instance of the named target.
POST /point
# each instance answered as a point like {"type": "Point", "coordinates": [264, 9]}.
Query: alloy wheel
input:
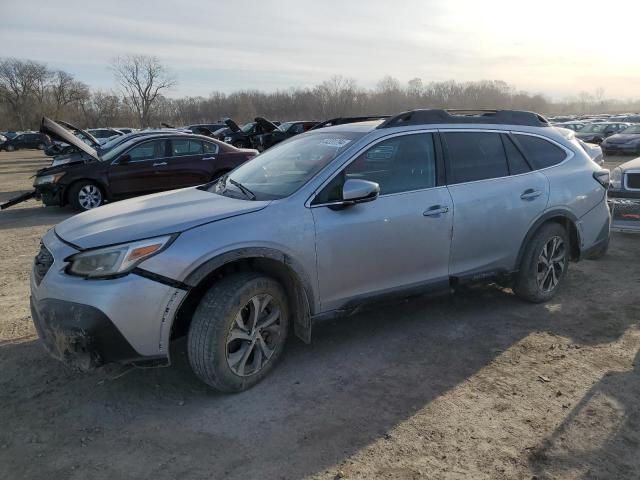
{"type": "Point", "coordinates": [89, 197]}
{"type": "Point", "coordinates": [551, 264]}
{"type": "Point", "coordinates": [254, 335]}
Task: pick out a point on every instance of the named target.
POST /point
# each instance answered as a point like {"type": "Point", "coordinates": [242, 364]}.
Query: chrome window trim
{"type": "Point", "coordinates": [355, 155]}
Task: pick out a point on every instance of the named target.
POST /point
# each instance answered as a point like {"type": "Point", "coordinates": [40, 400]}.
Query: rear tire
{"type": "Point", "coordinates": [544, 264]}
{"type": "Point", "coordinates": [238, 331]}
{"type": "Point", "coordinates": [85, 195]}
{"type": "Point", "coordinates": [41, 146]}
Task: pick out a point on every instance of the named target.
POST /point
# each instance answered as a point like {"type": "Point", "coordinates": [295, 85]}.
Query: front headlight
{"type": "Point", "coordinates": [616, 178]}
{"type": "Point", "coordinates": [116, 260]}
{"type": "Point", "coordinates": [46, 179]}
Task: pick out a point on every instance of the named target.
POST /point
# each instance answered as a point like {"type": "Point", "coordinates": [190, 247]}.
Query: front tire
{"type": "Point", "coordinates": [9, 148]}
{"type": "Point", "coordinates": [85, 195]}
{"type": "Point", "coordinates": [238, 331]}
{"type": "Point", "coordinates": [544, 264]}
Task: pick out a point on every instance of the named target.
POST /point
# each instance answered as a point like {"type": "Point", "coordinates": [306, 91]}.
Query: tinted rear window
{"type": "Point", "coordinates": [475, 156]}
{"type": "Point", "coordinates": [517, 163]}
{"type": "Point", "coordinates": [540, 153]}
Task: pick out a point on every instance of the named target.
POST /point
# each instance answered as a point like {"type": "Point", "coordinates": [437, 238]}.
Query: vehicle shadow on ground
{"type": "Point", "coordinates": [360, 378]}
{"type": "Point", "coordinates": [608, 418]}
{"type": "Point", "coordinates": [21, 217]}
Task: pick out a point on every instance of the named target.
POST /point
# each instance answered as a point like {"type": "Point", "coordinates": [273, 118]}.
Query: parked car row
{"type": "Point", "coordinates": [129, 165]}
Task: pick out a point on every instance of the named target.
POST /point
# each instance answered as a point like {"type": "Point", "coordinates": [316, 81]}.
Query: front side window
{"type": "Point", "coordinates": [283, 169]}
{"type": "Point", "coordinates": [475, 156]}
{"type": "Point", "coordinates": [399, 164]}
{"type": "Point", "coordinates": [540, 153]}
{"type": "Point", "coordinates": [147, 151]}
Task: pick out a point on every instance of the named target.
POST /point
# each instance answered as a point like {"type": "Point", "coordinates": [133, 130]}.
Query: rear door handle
{"type": "Point", "coordinates": [530, 194]}
{"type": "Point", "coordinates": [161, 164]}
{"type": "Point", "coordinates": [209, 158]}
{"type": "Point", "coordinates": [435, 211]}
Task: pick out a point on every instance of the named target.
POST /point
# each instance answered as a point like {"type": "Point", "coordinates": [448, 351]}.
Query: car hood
{"type": "Point", "coordinates": [233, 126]}
{"type": "Point", "coordinates": [150, 216]}
{"type": "Point", "coordinates": [623, 137]}
{"type": "Point", "coordinates": [635, 163]}
{"type": "Point", "coordinates": [265, 124]}
{"type": "Point", "coordinates": [60, 133]}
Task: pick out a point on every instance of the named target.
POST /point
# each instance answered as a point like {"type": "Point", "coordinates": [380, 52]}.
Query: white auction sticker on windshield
{"type": "Point", "coordinates": [335, 142]}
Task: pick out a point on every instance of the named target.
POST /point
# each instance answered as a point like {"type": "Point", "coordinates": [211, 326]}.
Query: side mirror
{"type": "Point", "coordinates": [359, 191]}
{"type": "Point", "coordinates": [124, 159]}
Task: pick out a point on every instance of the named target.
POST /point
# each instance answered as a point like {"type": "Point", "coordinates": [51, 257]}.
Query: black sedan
{"type": "Point", "coordinates": [144, 164]}
{"type": "Point", "coordinates": [27, 140]}
{"type": "Point", "coordinates": [596, 132]}
{"type": "Point", "coordinates": [627, 141]}
{"type": "Point", "coordinates": [276, 134]}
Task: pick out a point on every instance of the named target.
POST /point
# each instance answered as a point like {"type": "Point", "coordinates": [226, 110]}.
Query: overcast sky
{"type": "Point", "coordinates": [558, 47]}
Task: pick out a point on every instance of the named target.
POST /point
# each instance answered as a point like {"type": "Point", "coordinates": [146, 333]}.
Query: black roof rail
{"type": "Point", "coordinates": [495, 117]}
{"type": "Point", "coordinates": [342, 120]}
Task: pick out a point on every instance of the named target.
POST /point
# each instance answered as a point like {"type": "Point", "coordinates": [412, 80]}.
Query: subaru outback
{"type": "Point", "coordinates": [317, 227]}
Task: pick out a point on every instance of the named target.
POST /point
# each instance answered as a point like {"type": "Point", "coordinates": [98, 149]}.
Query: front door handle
{"type": "Point", "coordinates": [530, 194]}
{"type": "Point", "coordinates": [435, 210]}
{"type": "Point", "coordinates": [209, 158]}
{"type": "Point", "coordinates": [161, 164]}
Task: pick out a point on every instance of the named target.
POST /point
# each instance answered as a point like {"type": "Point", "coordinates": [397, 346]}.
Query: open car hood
{"type": "Point", "coordinates": [232, 125]}
{"type": "Point", "coordinates": [150, 216]}
{"type": "Point", "coordinates": [58, 132]}
{"type": "Point", "coordinates": [94, 141]}
{"type": "Point", "coordinates": [266, 125]}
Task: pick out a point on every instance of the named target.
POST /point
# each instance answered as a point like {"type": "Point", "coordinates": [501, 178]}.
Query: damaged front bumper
{"type": "Point", "coordinates": [80, 335]}
{"type": "Point", "coordinates": [87, 323]}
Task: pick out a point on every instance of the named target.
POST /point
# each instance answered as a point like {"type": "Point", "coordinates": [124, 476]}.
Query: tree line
{"type": "Point", "coordinates": [30, 89]}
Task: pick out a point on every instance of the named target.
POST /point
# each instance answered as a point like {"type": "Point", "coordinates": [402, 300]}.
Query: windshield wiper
{"type": "Point", "coordinates": [248, 193]}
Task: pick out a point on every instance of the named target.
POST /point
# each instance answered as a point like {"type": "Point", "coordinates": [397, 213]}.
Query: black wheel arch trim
{"type": "Point", "coordinates": [545, 217]}
{"type": "Point", "coordinates": [304, 297]}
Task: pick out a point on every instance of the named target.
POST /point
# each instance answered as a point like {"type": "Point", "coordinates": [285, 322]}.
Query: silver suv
{"type": "Point", "coordinates": [316, 227]}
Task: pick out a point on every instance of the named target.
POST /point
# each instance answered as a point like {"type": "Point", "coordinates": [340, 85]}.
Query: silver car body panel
{"type": "Point", "coordinates": [136, 305]}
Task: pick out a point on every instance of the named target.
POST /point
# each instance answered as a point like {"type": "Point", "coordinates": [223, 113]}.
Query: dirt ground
{"type": "Point", "coordinates": [477, 385]}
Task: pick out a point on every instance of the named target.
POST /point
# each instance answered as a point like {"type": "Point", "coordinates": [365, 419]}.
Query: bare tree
{"type": "Point", "coordinates": [142, 79]}
{"type": "Point", "coordinates": [21, 81]}
{"type": "Point", "coordinates": [65, 90]}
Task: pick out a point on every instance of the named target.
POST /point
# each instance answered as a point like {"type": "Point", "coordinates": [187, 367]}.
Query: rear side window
{"type": "Point", "coordinates": [475, 156]}
{"type": "Point", "coordinates": [540, 153]}
{"type": "Point", "coordinates": [210, 147]}
{"type": "Point", "coordinates": [517, 163]}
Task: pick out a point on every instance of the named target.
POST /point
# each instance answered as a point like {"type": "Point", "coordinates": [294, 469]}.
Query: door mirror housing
{"type": "Point", "coordinates": [124, 159]}
{"type": "Point", "coordinates": [359, 191]}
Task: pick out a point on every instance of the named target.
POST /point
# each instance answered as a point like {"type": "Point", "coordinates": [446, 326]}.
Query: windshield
{"type": "Point", "coordinates": [246, 128]}
{"type": "Point", "coordinates": [285, 126]}
{"type": "Point", "coordinates": [283, 169]}
{"type": "Point", "coordinates": [112, 154]}
{"type": "Point", "coordinates": [594, 128]}
{"type": "Point", "coordinates": [632, 129]}
{"type": "Point", "coordinates": [115, 141]}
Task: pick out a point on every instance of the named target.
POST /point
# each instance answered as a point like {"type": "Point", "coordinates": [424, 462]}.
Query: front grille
{"type": "Point", "coordinates": [633, 180]}
{"type": "Point", "coordinates": [42, 263]}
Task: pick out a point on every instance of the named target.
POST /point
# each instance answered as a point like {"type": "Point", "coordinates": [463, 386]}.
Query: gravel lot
{"type": "Point", "coordinates": [477, 385]}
